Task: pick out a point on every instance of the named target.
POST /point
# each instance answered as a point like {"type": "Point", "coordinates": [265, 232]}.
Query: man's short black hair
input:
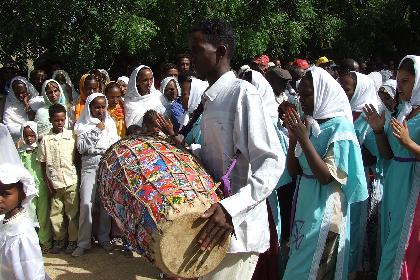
{"type": "Point", "coordinates": [185, 76]}
{"type": "Point", "coordinates": [56, 108]}
{"type": "Point", "coordinates": [217, 32]}
{"type": "Point", "coordinates": [182, 55]}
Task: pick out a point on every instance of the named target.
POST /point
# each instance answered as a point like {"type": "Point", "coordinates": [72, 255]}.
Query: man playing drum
{"type": "Point", "coordinates": [234, 125]}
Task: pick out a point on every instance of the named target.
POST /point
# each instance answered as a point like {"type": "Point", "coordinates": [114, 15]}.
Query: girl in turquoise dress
{"type": "Point", "coordinates": [360, 90]}
{"type": "Point", "coordinates": [399, 143]}
{"type": "Point", "coordinates": [325, 151]}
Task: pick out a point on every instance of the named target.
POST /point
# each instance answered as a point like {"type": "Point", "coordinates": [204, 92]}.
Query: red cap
{"type": "Point", "coordinates": [301, 63]}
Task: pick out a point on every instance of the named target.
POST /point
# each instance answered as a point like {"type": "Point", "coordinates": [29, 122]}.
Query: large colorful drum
{"type": "Point", "coordinates": [156, 193]}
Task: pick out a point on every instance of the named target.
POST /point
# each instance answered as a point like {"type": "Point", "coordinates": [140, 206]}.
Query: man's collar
{"type": "Point", "coordinates": [212, 92]}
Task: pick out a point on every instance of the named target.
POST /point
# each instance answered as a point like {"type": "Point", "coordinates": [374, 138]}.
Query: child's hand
{"type": "Point", "coordinates": [101, 126]}
{"type": "Point", "coordinates": [165, 125]}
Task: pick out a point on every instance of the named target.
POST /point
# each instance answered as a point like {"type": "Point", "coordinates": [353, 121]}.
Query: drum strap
{"type": "Point", "coordinates": [227, 190]}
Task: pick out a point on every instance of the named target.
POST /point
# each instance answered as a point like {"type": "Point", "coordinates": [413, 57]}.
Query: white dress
{"type": "Point", "coordinates": [20, 254]}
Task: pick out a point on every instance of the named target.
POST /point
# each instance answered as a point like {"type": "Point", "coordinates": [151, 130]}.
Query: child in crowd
{"type": "Point", "coordinates": [88, 84]}
{"type": "Point", "coordinates": [28, 154]}
{"type": "Point", "coordinates": [96, 132]}
{"type": "Point", "coordinates": [156, 124]}
{"type": "Point", "coordinates": [134, 129]}
{"type": "Point", "coordinates": [56, 154]}
{"type": "Point", "coordinates": [123, 82]}
{"type": "Point", "coordinates": [20, 254]}
{"type": "Point", "coordinates": [113, 94]}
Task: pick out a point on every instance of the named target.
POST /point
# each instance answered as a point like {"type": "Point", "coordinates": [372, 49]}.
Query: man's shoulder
{"type": "Point", "coordinates": [244, 87]}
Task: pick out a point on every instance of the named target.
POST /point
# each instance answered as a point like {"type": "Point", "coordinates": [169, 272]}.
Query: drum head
{"type": "Point", "coordinates": [178, 252]}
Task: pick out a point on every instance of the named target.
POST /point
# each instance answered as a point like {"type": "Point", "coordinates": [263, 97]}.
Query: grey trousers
{"type": "Point", "coordinates": [88, 200]}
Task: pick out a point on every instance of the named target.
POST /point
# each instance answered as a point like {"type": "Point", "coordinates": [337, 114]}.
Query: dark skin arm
{"type": "Point", "coordinates": [167, 127]}
{"type": "Point", "coordinates": [47, 181]}
{"type": "Point", "coordinates": [377, 123]}
{"type": "Point", "coordinates": [217, 228]}
{"type": "Point", "coordinates": [291, 161]}
{"type": "Point", "coordinates": [299, 130]}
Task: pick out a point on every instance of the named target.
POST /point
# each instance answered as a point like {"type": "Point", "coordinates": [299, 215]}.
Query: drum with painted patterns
{"type": "Point", "coordinates": [157, 192]}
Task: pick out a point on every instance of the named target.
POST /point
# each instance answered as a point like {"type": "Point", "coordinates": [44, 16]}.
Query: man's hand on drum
{"type": "Point", "coordinates": [217, 229]}
{"type": "Point", "coordinates": [165, 125]}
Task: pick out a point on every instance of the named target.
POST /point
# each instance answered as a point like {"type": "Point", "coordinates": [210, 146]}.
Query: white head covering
{"type": "Point", "coordinates": [32, 125]}
{"type": "Point", "coordinates": [69, 95]}
{"type": "Point", "coordinates": [197, 89]}
{"type": "Point", "coordinates": [66, 75]}
{"type": "Point", "coordinates": [12, 170]}
{"type": "Point", "coordinates": [377, 79]}
{"type": "Point", "coordinates": [8, 152]}
{"type": "Point", "coordinates": [124, 79]}
{"type": "Point", "coordinates": [391, 87]}
{"type": "Point", "coordinates": [330, 101]}
{"type": "Point", "coordinates": [14, 110]}
{"type": "Point", "coordinates": [86, 123]}
{"type": "Point", "coordinates": [265, 89]}
{"type": "Point", "coordinates": [386, 75]}
{"type": "Point", "coordinates": [165, 82]}
{"type": "Point", "coordinates": [415, 96]}
{"type": "Point", "coordinates": [364, 93]}
{"type": "Point", "coordinates": [41, 104]}
{"type": "Point", "coordinates": [136, 105]}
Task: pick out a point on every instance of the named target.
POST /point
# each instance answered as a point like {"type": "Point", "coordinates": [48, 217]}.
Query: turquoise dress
{"type": "Point", "coordinates": [401, 191]}
{"type": "Point", "coordinates": [360, 210]}
{"type": "Point", "coordinates": [194, 136]}
{"type": "Point", "coordinates": [314, 205]}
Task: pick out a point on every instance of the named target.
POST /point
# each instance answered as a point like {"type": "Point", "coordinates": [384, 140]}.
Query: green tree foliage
{"type": "Point", "coordinates": [86, 34]}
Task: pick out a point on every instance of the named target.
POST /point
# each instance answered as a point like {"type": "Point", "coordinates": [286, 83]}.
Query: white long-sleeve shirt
{"type": "Point", "coordinates": [234, 120]}
{"type": "Point", "coordinates": [20, 254]}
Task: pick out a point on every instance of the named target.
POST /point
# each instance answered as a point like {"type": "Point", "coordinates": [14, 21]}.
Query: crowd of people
{"type": "Point", "coordinates": [325, 186]}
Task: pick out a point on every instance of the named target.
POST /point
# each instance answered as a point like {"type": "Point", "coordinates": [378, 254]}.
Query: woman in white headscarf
{"type": "Point", "coordinates": [63, 78]}
{"type": "Point", "coordinates": [96, 132]}
{"type": "Point", "coordinates": [329, 161]}
{"type": "Point", "coordinates": [20, 253]}
{"type": "Point", "coordinates": [170, 99]}
{"type": "Point", "coordinates": [360, 90]}
{"type": "Point", "coordinates": [52, 93]}
{"type": "Point", "coordinates": [17, 109]}
{"type": "Point", "coordinates": [141, 96]}
{"type": "Point", "coordinates": [400, 144]}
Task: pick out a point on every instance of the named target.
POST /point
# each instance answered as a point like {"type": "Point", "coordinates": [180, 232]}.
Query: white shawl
{"type": "Point", "coordinates": [267, 94]}
{"type": "Point", "coordinates": [330, 101]}
{"type": "Point", "coordinates": [136, 105]}
{"type": "Point", "coordinates": [415, 96]}
{"type": "Point", "coordinates": [197, 89]}
{"type": "Point", "coordinates": [14, 110]}
{"type": "Point", "coordinates": [87, 123]}
{"type": "Point", "coordinates": [364, 93]}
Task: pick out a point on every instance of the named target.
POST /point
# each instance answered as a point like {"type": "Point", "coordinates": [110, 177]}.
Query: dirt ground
{"type": "Point", "coordinates": [98, 264]}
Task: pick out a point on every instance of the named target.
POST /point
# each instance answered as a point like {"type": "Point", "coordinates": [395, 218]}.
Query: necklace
{"type": "Point", "coordinates": [14, 217]}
